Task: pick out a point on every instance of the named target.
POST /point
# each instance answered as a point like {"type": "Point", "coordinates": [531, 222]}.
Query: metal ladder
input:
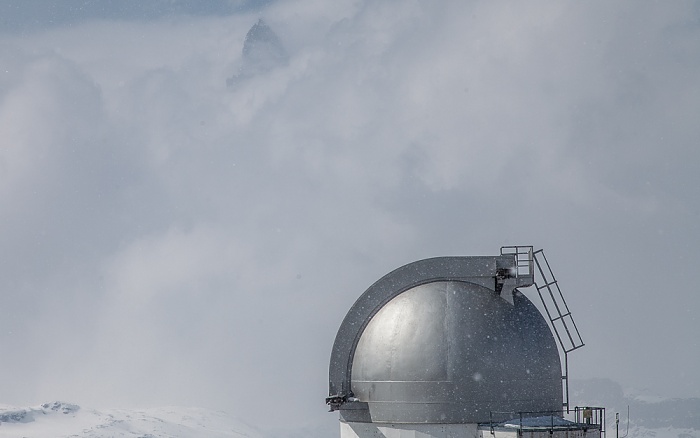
{"type": "Point", "coordinates": [559, 316]}
{"type": "Point", "coordinates": [553, 302]}
{"type": "Point", "coordinates": [557, 309]}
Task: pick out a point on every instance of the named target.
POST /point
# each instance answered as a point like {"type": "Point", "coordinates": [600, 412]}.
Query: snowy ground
{"type": "Point", "coordinates": [667, 432]}
{"type": "Point", "coordinates": [58, 419]}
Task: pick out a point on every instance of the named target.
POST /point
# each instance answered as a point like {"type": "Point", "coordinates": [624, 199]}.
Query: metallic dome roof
{"type": "Point", "coordinates": [452, 352]}
{"type": "Point", "coordinates": [433, 344]}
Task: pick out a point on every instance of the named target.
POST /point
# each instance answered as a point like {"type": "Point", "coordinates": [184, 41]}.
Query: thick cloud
{"type": "Point", "coordinates": [171, 240]}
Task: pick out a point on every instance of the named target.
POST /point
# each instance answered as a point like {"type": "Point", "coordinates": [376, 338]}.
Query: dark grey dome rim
{"type": "Point", "coordinates": [481, 270]}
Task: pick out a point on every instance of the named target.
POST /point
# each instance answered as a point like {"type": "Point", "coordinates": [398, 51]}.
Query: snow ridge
{"type": "Point", "coordinates": [60, 419]}
{"type": "Point", "coordinates": [27, 415]}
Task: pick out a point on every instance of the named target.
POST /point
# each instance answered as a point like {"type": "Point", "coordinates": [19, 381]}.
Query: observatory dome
{"type": "Point", "coordinates": [455, 352]}
{"type": "Point", "coordinates": [445, 340]}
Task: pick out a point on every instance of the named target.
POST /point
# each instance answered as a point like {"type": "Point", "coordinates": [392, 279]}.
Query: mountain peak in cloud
{"type": "Point", "coordinates": [262, 51]}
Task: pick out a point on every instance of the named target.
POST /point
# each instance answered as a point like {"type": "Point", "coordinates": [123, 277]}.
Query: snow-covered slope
{"type": "Point", "coordinates": [58, 419]}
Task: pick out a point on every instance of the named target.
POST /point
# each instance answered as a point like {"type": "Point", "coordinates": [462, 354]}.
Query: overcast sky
{"type": "Point", "coordinates": [167, 239]}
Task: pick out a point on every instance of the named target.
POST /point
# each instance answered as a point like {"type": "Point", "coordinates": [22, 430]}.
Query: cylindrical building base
{"type": "Point", "coordinates": [375, 430]}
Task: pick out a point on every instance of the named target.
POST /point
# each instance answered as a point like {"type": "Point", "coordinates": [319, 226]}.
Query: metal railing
{"type": "Point", "coordinates": [523, 259]}
{"type": "Point", "coordinates": [591, 415]}
{"type": "Point", "coordinates": [584, 418]}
